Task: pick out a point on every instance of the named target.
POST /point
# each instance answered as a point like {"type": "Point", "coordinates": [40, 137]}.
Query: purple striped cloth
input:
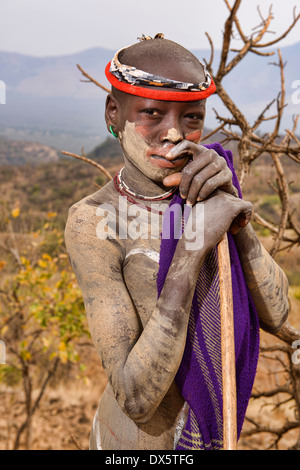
{"type": "Point", "coordinates": [199, 376]}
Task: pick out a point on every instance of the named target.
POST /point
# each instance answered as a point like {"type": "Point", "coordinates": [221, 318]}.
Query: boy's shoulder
{"type": "Point", "coordinates": [81, 230]}
{"type": "Point", "coordinates": [88, 205]}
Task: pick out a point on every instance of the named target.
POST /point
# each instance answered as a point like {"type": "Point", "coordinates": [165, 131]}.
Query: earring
{"type": "Point", "coordinates": [111, 129]}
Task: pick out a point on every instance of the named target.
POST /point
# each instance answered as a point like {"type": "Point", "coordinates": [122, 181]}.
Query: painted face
{"type": "Point", "coordinates": [151, 128]}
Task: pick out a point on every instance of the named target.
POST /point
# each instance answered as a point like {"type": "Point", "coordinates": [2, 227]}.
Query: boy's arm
{"type": "Point", "coordinates": [140, 363]}
{"type": "Point", "coordinates": [267, 282]}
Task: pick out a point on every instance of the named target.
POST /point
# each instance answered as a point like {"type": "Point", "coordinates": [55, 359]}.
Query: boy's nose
{"type": "Point", "coordinates": [173, 135]}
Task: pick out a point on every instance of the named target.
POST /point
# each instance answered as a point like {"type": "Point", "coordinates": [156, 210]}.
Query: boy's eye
{"type": "Point", "coordinates": [194, 116]}
{"type": "Point", "coordinates": [151, 112]}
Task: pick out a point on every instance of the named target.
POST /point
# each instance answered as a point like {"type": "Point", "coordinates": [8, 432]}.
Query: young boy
{"type": "Point", "coordinates": [151, 297]}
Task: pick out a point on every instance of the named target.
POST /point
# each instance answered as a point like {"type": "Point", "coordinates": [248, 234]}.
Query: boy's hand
{"type": "Point", "coordinates": [207, 172]}
{"type": "Point", "coordinates": [220, 213]}
{"type": "Point", "coordinates": [240, 222]}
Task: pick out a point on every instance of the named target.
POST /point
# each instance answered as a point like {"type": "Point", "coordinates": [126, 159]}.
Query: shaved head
{"type": "Point", "coordinates": [164, 58]}
{"type": "Point", "coordinates": [161, 56]}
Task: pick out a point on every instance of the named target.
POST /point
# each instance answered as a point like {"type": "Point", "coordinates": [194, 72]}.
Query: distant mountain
{"type": "Point", "coordinates": [109, 150]}
{"type": "Point", "coordinates": [47, 102]}
{"type": "Point", "coordinates": [20, 153]}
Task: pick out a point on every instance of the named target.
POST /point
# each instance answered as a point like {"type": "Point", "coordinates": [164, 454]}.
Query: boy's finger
{"type": "Point", "coordinates": [240, 222]}
{"type": "Point", "coordinates": [182, 147]}
{"type": "Point", "coordinates": [172, 180]}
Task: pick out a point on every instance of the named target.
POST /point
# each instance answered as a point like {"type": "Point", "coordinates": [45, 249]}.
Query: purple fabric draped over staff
{"type": "Point", "coordinates": [199, 376]}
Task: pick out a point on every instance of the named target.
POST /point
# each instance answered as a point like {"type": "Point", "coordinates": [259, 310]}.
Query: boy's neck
{"type": "Point", "coordinates": [140, 183]}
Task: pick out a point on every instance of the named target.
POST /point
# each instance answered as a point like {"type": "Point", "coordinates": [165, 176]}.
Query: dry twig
{"type": "Point", "coordinates": [84, 158]}
{"type": "Point", "coordinates": [92, 80]}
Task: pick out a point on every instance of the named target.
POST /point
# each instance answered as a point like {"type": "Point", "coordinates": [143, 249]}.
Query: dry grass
{"type": "Point", "coordinates": [64, 418]}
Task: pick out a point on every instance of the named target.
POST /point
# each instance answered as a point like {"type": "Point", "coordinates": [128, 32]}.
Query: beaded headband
{"type": "Point", "coordinates": [137, 82]}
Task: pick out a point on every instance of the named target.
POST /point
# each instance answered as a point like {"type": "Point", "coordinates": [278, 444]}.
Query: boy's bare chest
{"type": "Point", "coordinates": [140, 268]}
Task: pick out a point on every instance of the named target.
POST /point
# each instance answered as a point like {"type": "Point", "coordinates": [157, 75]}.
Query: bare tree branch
{"type": "Point", "coordinates": [279, 38]}
{"type": "Point", "coordinates": [92, 80]}
{"type": "Point", "coordinates": [226, 39]}
{"type": "Point", "coordinates": [84, 158]}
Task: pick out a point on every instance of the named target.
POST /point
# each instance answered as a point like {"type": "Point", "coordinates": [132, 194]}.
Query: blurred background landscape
{"type": "Point", "coordinates": [46, 101]}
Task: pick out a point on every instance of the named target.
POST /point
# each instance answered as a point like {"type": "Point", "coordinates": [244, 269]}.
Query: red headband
{"type": "Point", "coordinates": [158, 94]}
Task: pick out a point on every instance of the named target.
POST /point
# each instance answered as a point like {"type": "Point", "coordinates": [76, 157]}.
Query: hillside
{"type": "Point", "coordinates": [26, 153]}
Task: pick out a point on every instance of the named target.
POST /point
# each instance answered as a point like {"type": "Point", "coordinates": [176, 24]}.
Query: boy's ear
{"type": "Point", "coordinates": [111, 111]}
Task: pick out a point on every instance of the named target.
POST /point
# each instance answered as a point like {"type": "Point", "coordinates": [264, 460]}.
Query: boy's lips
{"type": "Point", "coordinates": [162, 161]}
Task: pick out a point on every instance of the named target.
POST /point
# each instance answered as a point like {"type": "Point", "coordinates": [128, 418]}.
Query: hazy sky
{"type": "Point", "coordinates": [58, 27]}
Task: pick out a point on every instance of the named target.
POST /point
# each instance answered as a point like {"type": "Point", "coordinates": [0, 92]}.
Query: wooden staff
{"type": "Point", "coordinates": [227, 348]}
